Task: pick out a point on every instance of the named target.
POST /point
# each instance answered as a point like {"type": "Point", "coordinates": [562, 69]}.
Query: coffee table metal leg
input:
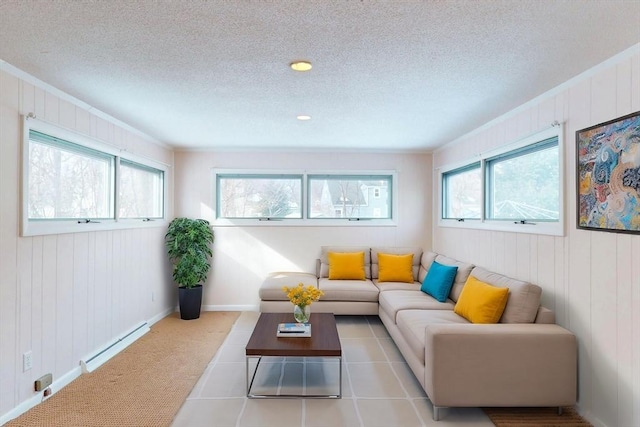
{"type": "Point", "coordinates": [281, 396]}
{"type": "Point", "coordinates": [253, 377]}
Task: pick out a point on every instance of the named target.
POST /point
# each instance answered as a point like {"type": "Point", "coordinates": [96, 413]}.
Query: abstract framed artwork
{"type": "Point", "coordinates": [608, 175]}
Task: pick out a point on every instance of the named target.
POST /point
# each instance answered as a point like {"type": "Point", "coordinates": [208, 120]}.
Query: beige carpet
{"type": "Point", "coordinates": [535, 417]}
{"type": "Point", "coordinates": [144, 385]}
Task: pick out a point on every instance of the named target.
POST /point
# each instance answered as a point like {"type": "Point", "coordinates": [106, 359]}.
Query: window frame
{"type": "Point", "coordinates": [456, 171]}
{"type": "Point", "coordinates": [305, 221]}
{"type": "Point", "coordinates": [354, 177]}
{"type": "Point", "coordinates": [554, 228]}
{"type": "Point", "coordinates": [291, 176]}
{"type": "Point", "coordinates": [38, 227]}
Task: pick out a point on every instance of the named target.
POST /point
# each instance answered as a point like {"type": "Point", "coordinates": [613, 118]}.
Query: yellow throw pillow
{"type": "Point", "coordinates": [395, 268]}
{"type": "Point", "coordinates": [480, 302]}
{"type": "Point", "coordinates": [346, 266]}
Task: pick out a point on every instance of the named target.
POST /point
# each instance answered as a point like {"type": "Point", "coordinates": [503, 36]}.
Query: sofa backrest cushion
{"type": "Point", "coordinates": [395, 268]}
{"type": "Point", "coordinates": [393, 250]}
{"type": "Point", "coordinates": [464, 268]}
{"type": "Point", "coordinates": [524, 297]}
{"type": "Point", "coordinates": [346, 265]}
{"type": "Point", "coordinates": [324, 258]}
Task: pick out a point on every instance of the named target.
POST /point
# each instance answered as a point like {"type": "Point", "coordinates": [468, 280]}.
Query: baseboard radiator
{"type": "Point", "coordinates": [93, 362]}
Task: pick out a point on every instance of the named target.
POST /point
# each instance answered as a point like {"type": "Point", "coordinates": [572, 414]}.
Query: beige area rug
{"type": "Point", "coordinates": [145, 384]}
{"type": "Point", "coordinates": [538, 417]}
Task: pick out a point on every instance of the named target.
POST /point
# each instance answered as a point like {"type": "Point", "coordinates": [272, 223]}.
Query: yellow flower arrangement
{"type": "Point", "coordinates": [302, 296]}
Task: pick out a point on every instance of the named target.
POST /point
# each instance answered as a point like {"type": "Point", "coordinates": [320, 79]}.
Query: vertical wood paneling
{"type": "Point", "coordinates": [25, 260]}
{"type": "Point", "coordinates": [59, 297]}
{"type": "Point", "coordinates": [546, 271]}
{"type": "Point", "coordinates": [635, 329]}
{"type": "Point", "coordinates": [36, 303]}
{"type": "Point", "coordinates": [80, 295]}
{"type": "Point", "coordinates": [624, 329]}
{"type": "Point", "coordinates": [49, 305]}
{"type": "Point", "coordinates": [590, 279]}
{"type": "Point", "coordinates": [604, 287]}
{"type": "Point", "coordinates": [64, 301]}
{"type": "Point", "coordinates": [9, 294]}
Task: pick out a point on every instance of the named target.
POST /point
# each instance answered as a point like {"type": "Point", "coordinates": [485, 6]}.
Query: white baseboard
{"type": "Point", "coordinates": [37, 398]}
{"type": "Point", "coordinates": [160, 316]}
{"type": "Point", "coordinates": [248, 307]}
{"type": "Point", "coordinates": [93, 362]}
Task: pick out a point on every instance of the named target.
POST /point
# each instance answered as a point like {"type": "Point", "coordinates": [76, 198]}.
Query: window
{"type": "Point", "coordinates": [304, 198]}
{"type": "Point", "coordinates": [509, 189]}
{"type": "Point", "coordinates": [72, 183]}
{"type": "Point", "coordinates": [68, 181]}
{"type": "Point", "coordinates": [259, 196]}
{"type": "Point", "coordinates": [351, 197]}
{"type": "Point", "coordinates": [141, 191]}
{"type": "Point", "coordinates": [524, 184]}
{"type": "Point", "coordinates": [462, 192]}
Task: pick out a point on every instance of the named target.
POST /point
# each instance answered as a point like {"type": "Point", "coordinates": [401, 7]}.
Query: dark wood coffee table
{"type": "Point", "coordinates": [323, 342]}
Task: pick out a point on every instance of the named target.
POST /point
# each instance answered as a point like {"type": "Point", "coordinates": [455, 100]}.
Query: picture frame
{"type": "Point", "coordinates": [608, 176]}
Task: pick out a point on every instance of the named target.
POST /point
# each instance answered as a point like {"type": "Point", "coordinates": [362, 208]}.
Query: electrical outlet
{"type": "Point", "coordinates": [27, 361]}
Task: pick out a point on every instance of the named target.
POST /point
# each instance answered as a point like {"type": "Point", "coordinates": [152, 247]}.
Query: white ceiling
{"type": "Point", "coordinates": [387, 75]}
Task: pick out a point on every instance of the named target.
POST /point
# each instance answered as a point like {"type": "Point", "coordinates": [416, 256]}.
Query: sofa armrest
{"type": "Point", "coordinates": [500, 365]}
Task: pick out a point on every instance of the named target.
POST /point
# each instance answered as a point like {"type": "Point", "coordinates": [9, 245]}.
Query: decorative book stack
{"type": "Point", "coordinates": [291, 330]}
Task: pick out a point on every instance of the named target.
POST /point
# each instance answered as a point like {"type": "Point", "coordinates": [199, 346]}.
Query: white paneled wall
{"type": "Point", "coordinates": [63, 297]}
{"type": "Point", "coordinates": [591, 279]}
{"type": "Point", "coordinates": [243, 256]}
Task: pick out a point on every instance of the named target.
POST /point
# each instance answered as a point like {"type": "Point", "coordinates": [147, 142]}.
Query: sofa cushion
{"type": "Point", "coordinates": [271, 288]}
{"type": "Point", "coordinates": [396, 286]}
{"type": "Point", "coordinates": [524, 298]}
{"type": "Point", "coordinates": [464, 269]}
{"type": "Point", "coordinates": [395, 268]}
{"type": "Point", "coordinates": [391, 302]}
{"type": "Point", "coordinates": [480, 302]}
{"type": "Point", "coordinates": [395, 250]}
{"type": "Point", "coordinates": [346, 265]}
{"type": "Point", "coordinates": [413, 323]}
{"type": "Point", "coordinates": [324, 258]}
{"type": "Point", "coordinates": [425, 262]}
{"type": "Point", "coordinates": [439, 280]}
{"type": "Point", "coordinates": [348, 290]}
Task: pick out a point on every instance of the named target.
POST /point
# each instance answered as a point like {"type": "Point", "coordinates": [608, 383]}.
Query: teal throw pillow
{"type": "Point", "coordinates": [439, 280]}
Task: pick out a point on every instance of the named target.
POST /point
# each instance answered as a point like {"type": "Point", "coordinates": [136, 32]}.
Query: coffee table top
{"type": "Point", "coordinates": [324, 339]}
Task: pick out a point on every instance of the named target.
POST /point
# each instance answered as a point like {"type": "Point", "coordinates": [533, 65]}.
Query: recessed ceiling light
{"type": "Point", "coordinates": [303, 117]}
{"type": "Point", "coordinates": [300, 65]}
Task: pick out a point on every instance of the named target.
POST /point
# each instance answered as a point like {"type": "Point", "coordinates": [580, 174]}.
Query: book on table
{"type": "Point", "coordinates": [294, 330]}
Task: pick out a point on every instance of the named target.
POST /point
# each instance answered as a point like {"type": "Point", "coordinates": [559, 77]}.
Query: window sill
{"type": "Point", "coordinates": [544, 228]}
{"type": "Point", "coordinates": [43, 228]}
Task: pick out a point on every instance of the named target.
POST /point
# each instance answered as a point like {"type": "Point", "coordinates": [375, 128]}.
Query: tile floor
{"type": "Point", "coordinates": [378, 388]}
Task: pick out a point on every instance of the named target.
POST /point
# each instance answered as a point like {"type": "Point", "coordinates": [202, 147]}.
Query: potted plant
{"type": "Point", "coordinates": [188, 242]}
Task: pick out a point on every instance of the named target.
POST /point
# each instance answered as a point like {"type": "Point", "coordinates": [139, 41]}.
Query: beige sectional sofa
{"type": "Point", "coordinates": [523, 360]}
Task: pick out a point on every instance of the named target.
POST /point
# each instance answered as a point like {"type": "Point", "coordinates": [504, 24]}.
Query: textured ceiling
{"type": "Point", "coordinates": [387, 75]}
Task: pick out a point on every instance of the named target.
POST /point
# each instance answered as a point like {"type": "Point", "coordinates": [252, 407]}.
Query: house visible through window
{"type": "Point", "coordinates": [351, 197]}
{"type": "Point", "coordinates": [279, 197]}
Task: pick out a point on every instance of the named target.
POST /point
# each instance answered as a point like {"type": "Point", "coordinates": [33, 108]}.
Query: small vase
{"type": "Point", "coordinates": [302, 314]}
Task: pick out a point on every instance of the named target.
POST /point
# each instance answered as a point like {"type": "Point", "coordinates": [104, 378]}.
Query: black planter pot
{"type": "Point", "coordinates": [190, 302]}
